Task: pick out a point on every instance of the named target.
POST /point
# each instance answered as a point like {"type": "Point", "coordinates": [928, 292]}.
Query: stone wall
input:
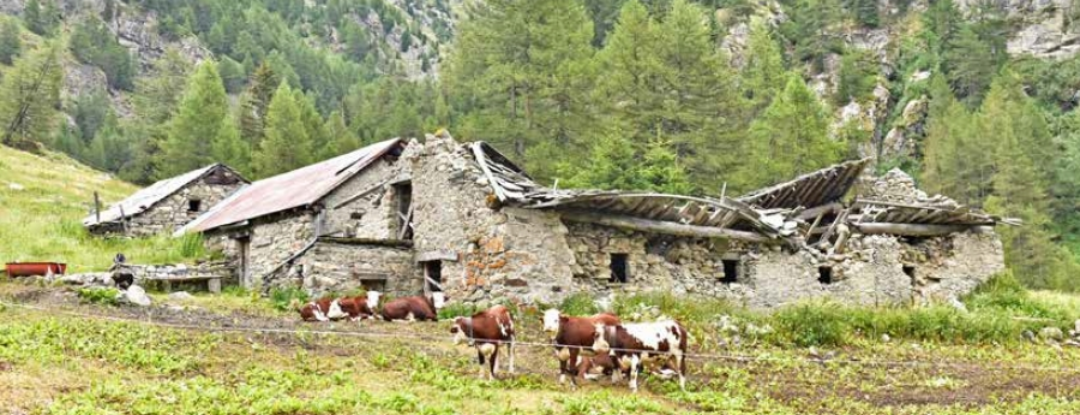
{"type": "Point", "coordinates": [374, 215]}
{"type": "Point", "coordinates": [174, 211]}
{"type": "Point", "coordinates": [345, 266]}
{"type": "Point", "coordinates": [272, 241]}
{"type": "Point", "coordinates": [946, 267]}
{"type": "Point", "coordinates": [486, 253]}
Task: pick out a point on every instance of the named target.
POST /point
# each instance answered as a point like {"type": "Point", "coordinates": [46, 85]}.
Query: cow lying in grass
{"type": "Point", "coordinates": [332, 309]}
{"type": "Point", "coordinates": [487, 330]}
{"type": "Point", "coordinates": [571, 336]}
{"type": "Point", "coordinates": [634, 344]}
{"type": "Point", "coordinates": [423, 308]}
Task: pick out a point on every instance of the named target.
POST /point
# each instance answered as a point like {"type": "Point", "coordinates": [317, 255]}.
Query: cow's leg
{"type": "Point", "coordinates": [494, 362]}
{"type": "Point", "coordinates": [480, 360]}
{"type": "Point", "coordinates": [563, 355]}
{"type": "Point", "coordinates": [634, 362]}
{"type": "Point", "coordinates": [510, 350]}
{"type": "Point", "coordinates": [571, 368]}
{"type": "Point", "coordinates": [680, 362]}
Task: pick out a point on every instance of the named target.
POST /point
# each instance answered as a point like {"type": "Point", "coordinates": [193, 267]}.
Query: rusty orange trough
{"type": "Point", "coordinates": [23, 269]}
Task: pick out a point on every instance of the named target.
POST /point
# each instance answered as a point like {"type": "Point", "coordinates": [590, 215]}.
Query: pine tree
{"type": "Point", "coordinates": [520, 91]}
{"type": "Point", "coordinates": [29, 96]}
{"type": "Point", "coordinates": [342, 138]}
{"type": "Point", "coordinates": [35, 19]}
{"type": "Point", "coordinates": [764, 74]}
{"type": "Point", "coordinates": [228, 148]}
{"type": "Point", "coordinates": [321, 144]}
{"type": "Point", "coordinates": [951, 166]}
{"type": "Point", "coordinates": [970, 66]}
{"type": "Point", "coordinates": [286, 145]}
{"type": "Point", "coordinates": [790, 138]}
{"type": "Point", "coordinates": [232, 73]}
{"type": "Point", "coordinates": [255, 102]}
{"type": "Point", "coordinates": [10, 43]}
{"type": "Point", "coordinates": [198, 120]}
{"type": "Point", "coordinates": [664, 80]}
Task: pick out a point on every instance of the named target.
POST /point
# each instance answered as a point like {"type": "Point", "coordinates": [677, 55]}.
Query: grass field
{"type": "Point", "coordinates": [56, 363]}
{"type": "Point", "coordinates": [43, 200]}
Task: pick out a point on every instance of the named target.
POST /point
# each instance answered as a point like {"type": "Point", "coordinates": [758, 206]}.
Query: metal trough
{"type": "Point", "coordinates": [24, 269]}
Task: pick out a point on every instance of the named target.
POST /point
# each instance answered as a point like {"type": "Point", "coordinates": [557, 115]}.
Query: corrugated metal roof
{"type": "Point", "coordinates": [297, 188]}
{"type": "Point", "coordinates": [809, 190]}
{"type": "Point", "coordinates": [147, 197]}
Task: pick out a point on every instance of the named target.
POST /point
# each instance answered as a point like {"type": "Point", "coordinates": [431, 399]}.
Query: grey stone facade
{"type": "Point", "coordinates": [477, 250]}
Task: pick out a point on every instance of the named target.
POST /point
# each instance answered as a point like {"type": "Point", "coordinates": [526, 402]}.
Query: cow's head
{"type": "Point", "coordinates": [600, 343]}
{"type": "Point", "coordinates": [438, 300]}
{"type": "Point", "coordinates": [373, 299]}
{"type": "Point", "coordinates": [460, 330]}
{"type": "Point", "coordinates": [551, 322]}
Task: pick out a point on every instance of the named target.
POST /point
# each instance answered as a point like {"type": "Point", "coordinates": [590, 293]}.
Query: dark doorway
{"type": "Point", "coordinates": [194, 205]}
{"type": "Point", "coordinates": [731, 271]}
{"type": "Point", "coordinates": [433, 274]}
{"type": "Point", "coordinates": [825, 275]}
{"type": "Point", "coordinates": [620, 268]}
{"type": "Point", "coordinates": [403, 194]}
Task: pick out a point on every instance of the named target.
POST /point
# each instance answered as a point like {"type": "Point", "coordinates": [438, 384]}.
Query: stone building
{"type": "Point", "coordinates": [167, 205]}
{"type": "Point", "coordinates": [407, 217]}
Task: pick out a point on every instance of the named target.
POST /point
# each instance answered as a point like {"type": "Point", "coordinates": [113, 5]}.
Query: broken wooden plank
{"type": "Point", "coordinates": [647, 225]}
{"type": "Point", "coordinates": [361, 194]}
{"type": "Point", "coordinates": [908, 229]}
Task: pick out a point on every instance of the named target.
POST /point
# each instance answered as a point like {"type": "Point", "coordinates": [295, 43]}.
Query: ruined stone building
{"type": "Point", "coordinates": [408, 216]}
{"type": "Point", "coordinates": [167, 205]}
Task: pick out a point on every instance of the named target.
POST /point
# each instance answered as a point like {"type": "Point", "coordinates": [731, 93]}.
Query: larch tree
{"type": "Point", "coordinates": [788, 139]}
{"type": "Point", "coordinates": [763, 74]}
{"type": "Point", "coordinates": [10, 43]}
{"type": "Point", "coordinates": [520, 72]}
{"type": "Point", "coordinates": [286, 145]}
{"type": "Point", "coordinates": [256, 101]}
{"type": "Point", "coordinates": [199, 117]}
{"type": "Point", "coordinates": [229, 148]}
{"type": "Point", "coordinates": [342, 138]}
{"type": "Point", "coordinates": [29, 96]}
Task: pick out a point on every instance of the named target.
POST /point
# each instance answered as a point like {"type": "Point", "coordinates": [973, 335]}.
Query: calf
{"type": "Point", "coordinates": [358, 308]}
{"type": "Point", "coordinates": [586, 366]}
{"type": "Point", "coordinates": [323, 309]}
{"type": "Point", "coordinates": [414, 308]}
{"type": "Point", "coordinates": [634, 344]}
{"type": "Point", "coordinates": [571, 335]}
{"type": "Point", "coordinates": [486, 330]}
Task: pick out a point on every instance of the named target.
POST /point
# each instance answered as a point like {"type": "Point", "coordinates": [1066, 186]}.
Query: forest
{"type": "Point", "coordinates": [612, 94]}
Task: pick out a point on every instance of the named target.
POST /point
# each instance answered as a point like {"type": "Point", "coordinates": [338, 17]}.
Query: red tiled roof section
{"type": "Point", "coordinates": [297, 188]}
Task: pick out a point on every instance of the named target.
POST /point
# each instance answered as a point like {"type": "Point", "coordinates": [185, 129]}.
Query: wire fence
{"type": "Point", "coordinates": [424, 339]}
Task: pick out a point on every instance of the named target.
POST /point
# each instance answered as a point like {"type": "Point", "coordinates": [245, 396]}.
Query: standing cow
{"type": "Point", "coordinates": [572, 335]}
{"type": "Point", "coordinates": [634, 344]}
{"type": "Point", "coordinates": [361, 307]}
{"type": "Point", "coordinates": [486, 330]}
{"type": "Point", "coordinates": [414, 308]}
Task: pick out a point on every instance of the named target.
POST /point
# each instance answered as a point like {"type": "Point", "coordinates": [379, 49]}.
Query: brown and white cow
{"type": "Point", "coordinates": [314, 310]}
{"type": "Point", "coordinates": [361, 307]}
{"type": "Point", "coordinates": [634, 344]}
{"type": "Point", "coordinates": [487, 330]}
{"type": "Point", "coordinates": [572, 336]}
{"type": "Point", "coordinates": [414, 308]}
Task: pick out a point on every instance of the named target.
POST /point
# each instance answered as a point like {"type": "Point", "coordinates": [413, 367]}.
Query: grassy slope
{"type": "Point", "coordinates": [42, 202]}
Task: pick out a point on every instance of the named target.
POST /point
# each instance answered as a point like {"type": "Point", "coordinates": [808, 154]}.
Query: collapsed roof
{"type": "Point", "coordinates": [809, 206]}
{"type": "Point", "coordinates": [298, 188]}
{"type": "Point", "coordinates": [149, 196]}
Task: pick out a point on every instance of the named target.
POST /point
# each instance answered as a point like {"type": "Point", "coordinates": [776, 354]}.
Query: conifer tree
{"type": "Point", "coordinates": [519, 91]}
{"type": "Point", "coordinates": [198, 120]}
{"type": "Point", "coordinates": [256, 102]}
{"type": "Point", "coordinates": [29, 96]}
{"type": "Point", "coordinates": [790, 138]}
{"type": "Point", "coordinates": [227, 147]}
{"type": "Point", "coordinates": [952, 165]}
{"type": "Point", "coordinates": [232, 73]}
{"type": "Point", "coordinates": [286, 145]}
{"type": "Point", "coordinates": [342, 138]}
{"type": "Point", "coordinates": [764, 73]}
{"type": "Point", "coordinates": [321, 145]}
{"type": "Point", "coordinates": [10, 44]}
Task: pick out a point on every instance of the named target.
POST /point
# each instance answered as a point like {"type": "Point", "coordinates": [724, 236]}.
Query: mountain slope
{"type": "Point", "coordinates": [42, 202]}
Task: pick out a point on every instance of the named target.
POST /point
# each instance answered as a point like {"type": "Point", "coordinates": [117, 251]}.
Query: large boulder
{"type": "Point", "coordinates": [135, 295]}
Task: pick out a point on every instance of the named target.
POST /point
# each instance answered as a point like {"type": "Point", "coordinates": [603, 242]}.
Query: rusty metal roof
{"type": "Point", "coordinates": [298, 188]}
{"type": "Point", "coordinates": [147, 197]}
{"type": "Point", "coordinates": [809, 190]}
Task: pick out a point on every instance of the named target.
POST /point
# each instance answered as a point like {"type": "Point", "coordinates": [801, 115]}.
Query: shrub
{"type": "Point", "coordinates": [106, 296]}
{"type": "Point", "coordinates": [282, 297]}
{"type": "Point", "coordinates": [580, 304]}
{"type": "Point", "coordinates": [457, 309]}
{"type": "Point", "coordinates": [812, 324]}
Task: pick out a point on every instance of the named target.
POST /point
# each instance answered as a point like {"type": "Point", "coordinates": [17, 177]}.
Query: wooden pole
{"type": "Point", "coordinates": [670, 228]}
{"type": "Point", "coordinates": [97, 207]}
{"type": "Point", "coordinates": [908, 229]}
